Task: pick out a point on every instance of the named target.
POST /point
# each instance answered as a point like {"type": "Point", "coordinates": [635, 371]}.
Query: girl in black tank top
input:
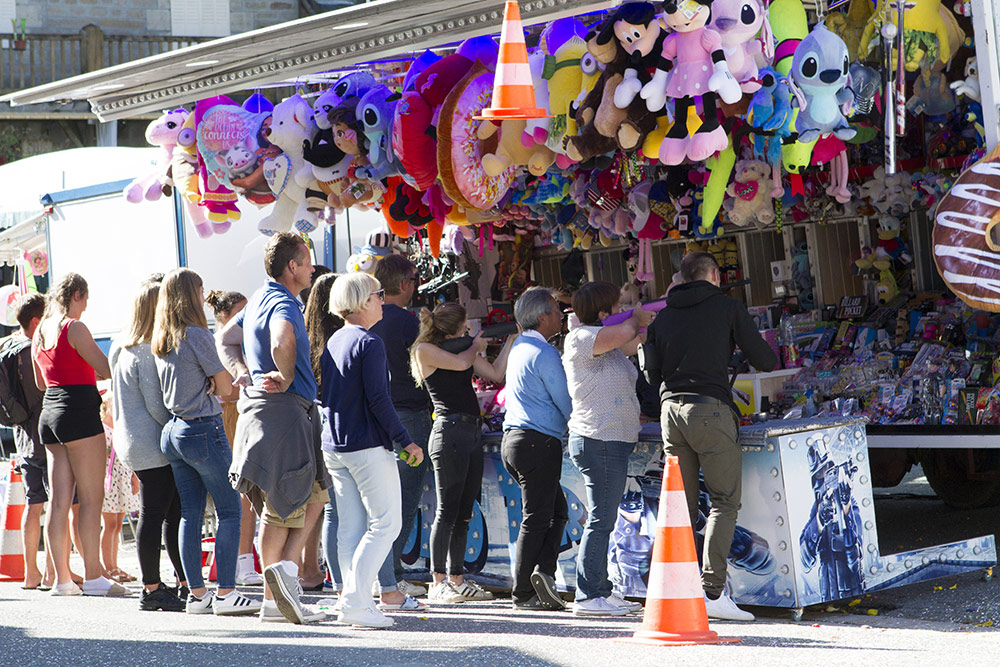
{"type": "Point", "coordinates": [444, 360]}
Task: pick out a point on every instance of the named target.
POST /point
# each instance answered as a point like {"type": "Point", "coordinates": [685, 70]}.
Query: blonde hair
{"type": "Point", "coordinates": [435, 326]}
{"type": "Point", "coordinates": [351, 292]}
{"type": "Point", "coordinates": [140, 328]}
{"type": "Point", "coordinates": [178, 308]}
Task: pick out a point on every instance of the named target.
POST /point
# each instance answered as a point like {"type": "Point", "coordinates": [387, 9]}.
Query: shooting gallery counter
{"type": "Point", "coordinates": [806, 532]}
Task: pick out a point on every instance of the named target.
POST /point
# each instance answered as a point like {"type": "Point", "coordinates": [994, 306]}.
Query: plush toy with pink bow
{"type": "Point", "coordinates": [692, 64]}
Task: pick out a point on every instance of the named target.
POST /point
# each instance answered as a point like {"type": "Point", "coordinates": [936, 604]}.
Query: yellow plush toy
{"type": "Point", "coordinates": [850, 25]}
{"type": "Point", "coordinates": [925, 31]}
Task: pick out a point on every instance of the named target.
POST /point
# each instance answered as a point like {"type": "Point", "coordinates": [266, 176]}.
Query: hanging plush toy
{"type": "Point", "coordinates": [692, 64]}
{"type": "Point", "coordinates": [738, 22]}
{"type": "Point", "coordinates": [289, 175]}
{"type": "Point", "coordinates": [771, 117]}
{"type": "Point", "coordinates": [218, 200]}
{"type": "Point", "coordinates": [931, 94]}
{"type": "Point", "coordinates": [184, 169]}
{"type": "Point", "coordinates": [232, 145]}
{"type": "Point", "coordinates": [969, 86]}
{"type": "Point", "coordinates": [850, 25]}
{"type": "Point", "coordinates": [820, 69]}
{"type": "Point", "coordinates": [925, 32]}
{"type": "Point", "coordinates": [162, 132]}
{"type": "Point", "coordinates": [375, 111]}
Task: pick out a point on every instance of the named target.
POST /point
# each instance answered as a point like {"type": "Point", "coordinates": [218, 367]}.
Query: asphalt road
{"type": "Point", "coordinates": [941, 622]}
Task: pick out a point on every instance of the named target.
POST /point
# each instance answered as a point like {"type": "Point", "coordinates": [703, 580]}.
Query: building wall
{"type": "Point", "coordinates": [141, 17]}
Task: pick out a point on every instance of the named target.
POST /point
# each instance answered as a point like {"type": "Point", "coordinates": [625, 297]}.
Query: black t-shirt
{"type": "Point", "coordinates": [398, 328]}
{"type": "Point", "coordinates": [451, 391]}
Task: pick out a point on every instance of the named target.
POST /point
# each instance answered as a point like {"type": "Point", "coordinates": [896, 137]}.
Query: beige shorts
{"type": "Point", "coordinates": [296, 519]}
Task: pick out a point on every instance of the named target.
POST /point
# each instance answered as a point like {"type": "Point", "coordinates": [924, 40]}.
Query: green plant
{"type": "Point", "coordinates": [10, 147]}
{"type": "Point", "coordinates": [13, 23]}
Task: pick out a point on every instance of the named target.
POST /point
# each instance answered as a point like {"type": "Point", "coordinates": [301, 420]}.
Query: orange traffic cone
{"type": "Point", "coordinates": [513, 92]}
{"type": "Point", "coordinates": [11, 545]}
{"type": "Point", "coordinates": [675, 603]}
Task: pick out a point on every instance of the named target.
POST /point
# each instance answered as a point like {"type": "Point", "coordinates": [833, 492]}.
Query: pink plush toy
{"type": "Point", "coordinates": [161, 132]}
{"type": "Point", "coordinates": [738, 22]}
{"type": "Point", "coordinates": [692, 64]}
{"type": "Point", "coordinates": [218, 200]}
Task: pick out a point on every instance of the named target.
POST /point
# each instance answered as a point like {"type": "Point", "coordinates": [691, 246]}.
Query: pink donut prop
{"type": "Point", "coordinates": [459, 150]}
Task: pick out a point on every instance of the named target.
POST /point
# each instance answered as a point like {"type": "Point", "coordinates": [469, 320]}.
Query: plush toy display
{"type": "Point", "coordinates": [184, 170]}
{"type": "Point", "coordinates": [931, 93]}
{"type": "Point", "coordinates": [692, 64]}
{"type": "Point", "coordinates": [771, 117]}
{"type": "Point", "coordinates": [751, 195]}
{"type": "Point", "coordinates": [969, 86]}
{"type": "Point", "coordinates": [850, 25]}
{"type": "Point", "coordinates": [162, 132]}
{"type": "Point", "coordinates": [218, 200]}
{"type": "Point", "coordinates": [890, 249]}
{"type": "Point", "coordinates": [289, 175]}
{"type": "Point", "coordinates": [375, 110]}
{"type": "Point", "coordinates": [232, 145]}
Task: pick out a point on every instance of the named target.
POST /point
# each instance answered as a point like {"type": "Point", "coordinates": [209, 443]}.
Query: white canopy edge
{"type": "Point", "coordinates": [336, 40]}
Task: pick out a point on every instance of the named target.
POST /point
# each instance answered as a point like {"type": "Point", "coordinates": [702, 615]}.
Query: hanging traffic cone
{"type": "Point", "coordinates": [513, 92]}
{"type": "Point", "coordinates": [11, 545]}
{"type": "Point", "coordinates": [675, 602]}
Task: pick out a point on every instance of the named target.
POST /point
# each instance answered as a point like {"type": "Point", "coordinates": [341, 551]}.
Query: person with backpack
{"type": "Point", "coordinates": [20, 405]}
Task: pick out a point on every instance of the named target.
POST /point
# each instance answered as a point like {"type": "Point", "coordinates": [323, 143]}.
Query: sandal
{"type": "Point", "coordinates": [409, 603]}
{"type": "Point", "coordinates": [121, 576]}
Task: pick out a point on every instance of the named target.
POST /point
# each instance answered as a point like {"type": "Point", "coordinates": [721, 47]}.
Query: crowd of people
{"type": "Point", "coordinates": [316, 409]}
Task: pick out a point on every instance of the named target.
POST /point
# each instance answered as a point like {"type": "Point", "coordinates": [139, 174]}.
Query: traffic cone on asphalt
{"type": "Point", "coordinates": [513, 91]}
{"type": "Point", "coordinates": [675, 602]}
{"type": "Point", "coordinates": [11, 545]}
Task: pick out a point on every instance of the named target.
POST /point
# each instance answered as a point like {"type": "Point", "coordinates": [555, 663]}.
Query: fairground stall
{"type": "Point", "coordinates": [833, 156]}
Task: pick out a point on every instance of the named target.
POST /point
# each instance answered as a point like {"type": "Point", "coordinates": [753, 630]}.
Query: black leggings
{"type": "Point", "coordinates": [456, 452]}
{"type": "Point", "coordinates": [161, 507]}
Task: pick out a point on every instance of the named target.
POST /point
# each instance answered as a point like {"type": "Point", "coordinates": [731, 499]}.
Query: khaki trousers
{"type": "Point", "coordinates": [703, 436]}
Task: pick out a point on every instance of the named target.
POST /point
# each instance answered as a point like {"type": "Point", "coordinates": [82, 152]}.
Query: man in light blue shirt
{"type": "Point", "coordinates": [538, 408]}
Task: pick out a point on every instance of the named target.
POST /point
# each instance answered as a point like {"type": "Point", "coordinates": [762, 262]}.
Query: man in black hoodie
{"type": "Point", "coordinates": [687, 354]}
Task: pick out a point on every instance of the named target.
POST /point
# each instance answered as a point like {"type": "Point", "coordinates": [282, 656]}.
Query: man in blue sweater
{"type": "Point", "coordinates": [538, 408]}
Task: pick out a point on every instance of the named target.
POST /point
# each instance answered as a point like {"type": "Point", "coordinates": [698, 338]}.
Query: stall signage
{"type": "Point", "coordinates": [852, 307]}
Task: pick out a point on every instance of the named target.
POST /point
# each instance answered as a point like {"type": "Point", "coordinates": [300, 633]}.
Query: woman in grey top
{"type": "Point", "coordinates": [139, 418]}
{"type": "Point", "coordinates": [194, 440]}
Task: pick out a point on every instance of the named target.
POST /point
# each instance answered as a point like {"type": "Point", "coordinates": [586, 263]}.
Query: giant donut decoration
{"type": "Point", "coordinates": [459, 150]}
{"type": "Point", "coordinates": [966, 248]}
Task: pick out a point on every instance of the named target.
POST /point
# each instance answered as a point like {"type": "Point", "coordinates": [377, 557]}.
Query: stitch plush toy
{"type": "Point", "coordinates": [751, 195]}
{"type": "Point", "coordinates": [820, 69]}
{"type": "Point", "coordinates": [738, 22]}
{"type": "Point", "coordinates": [161, 132]}
{"type": "Point", "coordinates": [692, 64]}
{"type": "Point", "coordinates": [375, 111]}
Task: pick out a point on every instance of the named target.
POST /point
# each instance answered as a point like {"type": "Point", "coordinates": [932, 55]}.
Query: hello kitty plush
{"type": "Point", "coordinates": [692, 64]}
{"type": "Point", "coordinates": [288, 174]}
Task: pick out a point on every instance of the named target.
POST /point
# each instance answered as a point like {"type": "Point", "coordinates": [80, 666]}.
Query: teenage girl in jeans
{"type": "Point", "coordinates": [67, 362]}
{"type": "Point", "coordinates": [445, 359]}
{"type": "Point", "coordinates": [194, 440]}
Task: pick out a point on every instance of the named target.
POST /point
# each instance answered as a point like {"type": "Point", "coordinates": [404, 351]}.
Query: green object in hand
{"type": "Point", "coordinates": [408, 458]}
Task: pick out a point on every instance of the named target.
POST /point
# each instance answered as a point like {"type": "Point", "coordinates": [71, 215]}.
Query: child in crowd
{"type": "Point", "coordinates": [121, 496]}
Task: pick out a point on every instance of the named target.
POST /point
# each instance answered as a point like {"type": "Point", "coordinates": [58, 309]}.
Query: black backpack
{"type": "Point", "coordinates": [13, 406]}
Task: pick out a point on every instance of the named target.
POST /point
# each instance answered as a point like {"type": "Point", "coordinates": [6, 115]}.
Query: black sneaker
{"type": "Point", "coordinates": [182, 592]}
{"type": "Point", "coordinates": [161, 599]}
{"type": "Point", "coordinates": [545, 587]}
{"type": "Point", "coordinates": [532, 604]}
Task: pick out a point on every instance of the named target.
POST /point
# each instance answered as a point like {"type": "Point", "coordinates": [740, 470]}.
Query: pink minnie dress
{"type": "Point", "coordinates": [692, 56]}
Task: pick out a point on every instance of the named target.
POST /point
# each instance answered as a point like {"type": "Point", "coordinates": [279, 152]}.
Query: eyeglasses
{"type": "Point", "coordinates": [380, 293]}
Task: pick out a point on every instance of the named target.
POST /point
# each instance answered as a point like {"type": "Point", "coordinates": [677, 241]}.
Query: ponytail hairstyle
{"type": "Point", "coordinates": [445, 320]}
{"type": "Point", "coordinates": [60, 296]}
{"type": "Point", "coordinates": [222, 303]}
{"type": "Point", "coordinates": [178, 308]}
{"type": "Point", "coordinates": [320, 322]}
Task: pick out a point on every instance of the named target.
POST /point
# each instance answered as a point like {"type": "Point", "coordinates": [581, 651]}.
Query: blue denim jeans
{"type": "Point", "coordinates": [411, 483]}
{"type": "Point", "coordinates": [200, 456]}
{"type": "Point", "coordinates": [604, 465]}
{"type": "Point", "coordinates": [368, 509]}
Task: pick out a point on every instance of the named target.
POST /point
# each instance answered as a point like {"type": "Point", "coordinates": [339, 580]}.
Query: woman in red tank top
{"type": "Point", "coordinates": [67, 364]}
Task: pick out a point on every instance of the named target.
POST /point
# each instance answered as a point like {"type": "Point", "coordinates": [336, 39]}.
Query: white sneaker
{"type": "Point", "coordinates": [598, 607]}
{"type": "Point", "coordinates": [235, 604]}
{"type": "Point", "coordinates": [619, 601]}
{"type": "Point", "coordinates": [445, 593]}
{"type": "Point", "coordinates": [246, 574]}
{"type": "Point", "coordinates": [470, 590]}
{"type": "Point", "coordinates": [270, 614]}
{"type": "Point", "coordinates": [724, 609]}
{"type": "Point", "coordinates": [196, 605]}
{"type": "Point", "coordinates": [413, 590]}
{"type": "Point", "coordinates": [369, 617]}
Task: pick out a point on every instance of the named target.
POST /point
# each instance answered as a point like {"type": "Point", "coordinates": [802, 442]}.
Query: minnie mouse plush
{"type": "Point", "coordinates": [693, 57]}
